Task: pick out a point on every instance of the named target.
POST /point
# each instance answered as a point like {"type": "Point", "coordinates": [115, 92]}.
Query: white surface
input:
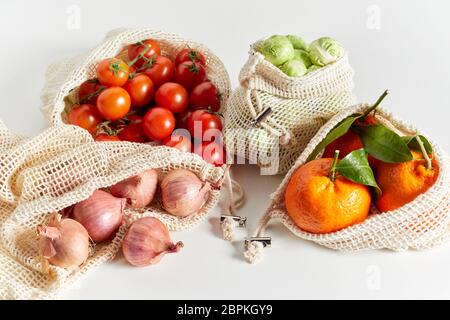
{"type": "Point", "coordinates": [408, 54]}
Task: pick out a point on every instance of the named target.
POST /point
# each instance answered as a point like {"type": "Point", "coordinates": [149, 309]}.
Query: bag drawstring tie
{"type": "Point", "coordinates": [265, 122]}
{"type": "Point", "coordinates": [254, 245]}
{"type": "Point", "coordinates": [235, 199]}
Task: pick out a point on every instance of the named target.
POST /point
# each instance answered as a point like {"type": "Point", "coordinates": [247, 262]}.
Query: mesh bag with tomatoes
{"type": "Point", "coordinates": [61, 167]}
{"type": "Point", "coordinates": [145, 86]}
{"type": "Point", "coordinates": [383, 190]}
{"type": "Point", "coordinates": [298, 108]}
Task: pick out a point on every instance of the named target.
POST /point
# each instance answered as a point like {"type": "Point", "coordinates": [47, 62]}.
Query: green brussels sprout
{"type": "Point", "coordinates": [277, 49]}
{"type": "Point", "coordinates": [298, 42]}
{"type": "Point", "coordinates": [313, 68]}
{"type": "Point", "coordinates": [294, 68]}
{"type": "Point", "coordinates": [303, 56]}
{"type": "Point", "coordinates": [324, 51]}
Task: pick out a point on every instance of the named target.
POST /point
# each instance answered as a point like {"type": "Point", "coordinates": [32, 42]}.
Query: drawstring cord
{"type": "Point", "coordinates": [235, 199]}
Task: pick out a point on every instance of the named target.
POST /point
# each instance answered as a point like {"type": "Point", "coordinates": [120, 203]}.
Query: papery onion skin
{"type": "Point", "coordinates": [100, 214]}
{"type": "Point", "coordinates": [183, 193]}
{"type": "Point", "coordinates": [63, 242]}
{"type": "Point", "coordinates": [147, 241]}
{"type": "Point", "coordinates": [139, 190]}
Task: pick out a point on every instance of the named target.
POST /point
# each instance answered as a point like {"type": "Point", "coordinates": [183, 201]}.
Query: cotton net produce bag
{"type": "Point", "coordinates": [299, 107]}
{"type": "Point", "coordinates": [63, 77]}
{"type": "Point", "coordinates": [420, 224]}
{"type": "Point", "coordinates": [61, 167]}
{"type": "Point", "coordinates": [60, 92]}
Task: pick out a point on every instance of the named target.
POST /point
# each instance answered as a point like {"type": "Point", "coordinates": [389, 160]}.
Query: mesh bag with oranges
{"type": "Point", "coordinates": [360, 202]}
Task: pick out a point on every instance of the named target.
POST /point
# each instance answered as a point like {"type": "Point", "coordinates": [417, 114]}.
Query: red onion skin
{"type": "Point", "coordinates": [183, 193]}
{"type": "Point", "coordinates": [100, 214]}
{"type": "Point", "coordinates": [147, 241]}
{"type": "Point", "coordinates": [139, 190]}
{"type": "Point", "coordinates": [64, 243]}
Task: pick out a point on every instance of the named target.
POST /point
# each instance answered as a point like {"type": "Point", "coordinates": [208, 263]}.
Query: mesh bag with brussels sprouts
{"type": "Point", "coordinates": [288, 90]}
{"type": "Point", "coordinates": [68, 204]}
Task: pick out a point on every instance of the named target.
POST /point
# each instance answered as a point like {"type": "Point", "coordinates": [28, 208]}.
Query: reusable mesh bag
{"type": "Point", "coordinates": [64, 76]}
{"type": "Point", "coordinates": [61, 167]}
{"type": "Point", "coordinates": [420, 224]}
{"type": "Point", "coordinates": [299, 107]}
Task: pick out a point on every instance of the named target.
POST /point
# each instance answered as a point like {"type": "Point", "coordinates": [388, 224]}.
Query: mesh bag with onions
{"type": "Point", "coordinates": [299, 107]}
{"type": "Point", "coordinates": [59, 168]}
{"type": "Point", "coordinates": [63, 77]}
{"type": "Point", "coordinates": [420, 224]}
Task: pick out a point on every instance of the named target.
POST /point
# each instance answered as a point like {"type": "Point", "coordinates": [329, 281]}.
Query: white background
{"type": "Point", "coordinates": [408, 53]}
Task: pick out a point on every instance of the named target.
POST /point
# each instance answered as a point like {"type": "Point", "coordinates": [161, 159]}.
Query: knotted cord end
{"type": "Point", "coordinates": [228, 223]}
{"type": "Point", "coordinates": [254, 248]}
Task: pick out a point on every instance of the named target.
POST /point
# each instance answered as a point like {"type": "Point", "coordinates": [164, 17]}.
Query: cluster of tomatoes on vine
{"type": "Point", "coordinates": [152, 98]}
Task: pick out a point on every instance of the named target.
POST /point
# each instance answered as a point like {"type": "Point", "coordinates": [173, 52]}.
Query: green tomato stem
{"type": "Point", "coordinates": [332, 175]}
{"type": "Point", "coordinates": [139, 56]}
{"type": "Point", "coordinates": [424, 153]}
{"type": "Point", "coordinates": [93, 94]}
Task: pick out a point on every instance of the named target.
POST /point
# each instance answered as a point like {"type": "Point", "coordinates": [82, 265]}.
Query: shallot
{"type": "Point", "coordinates": [147, 241]}
{"type": "Point", "coordinates": [100, 214]}
{"type": "Point", "coordinates": [139, 190]}
{"type": "Point", "coordinates": [63, 242]}
{"type": "Point", "coordinates": [183, 193]}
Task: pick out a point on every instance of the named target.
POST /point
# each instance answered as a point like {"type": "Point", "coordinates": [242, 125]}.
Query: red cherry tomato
{"type": "Point", "coordinates": [159, 123]}
{"type": "Point", "coordinates": [133, 132]}
{"type": "Point", "coordinates": [189, 74]}
{"type": "Point", "coordinates": [134, 118]}
{"type": "Point", "coordinates": [85, 116]}
{"type": "Point", "coordinates": [160, 70]}
{"type": "Point", "coordinates": [172, 96]}
{"type": "Point", "coordinates": [106, 137]}
{"type": "Point", "coordinates": [179, 139]}
{"type": "Point", "coordinates": [182, 118]}
{"type": "Point", "coordinates": [133, 69]}
{"type": "Point", "coordinates": [189, 54]}
{"type": "Point", "coordinates": [89, 91]}
{"type": "Point", "coordinates": [211, 152]}
{"type": "Point", "coordinates": [135, 49]}
{"type": "Point", "coordinates": [205, 95]}
{"type": "Point", "coordinates": [202, 120]}
{"type": "Point", "coordinates": [113, 103]}
{"type": "Point", "coordinates": [141, 90]}
{"type": "Point", "coordinates": [113, 72]}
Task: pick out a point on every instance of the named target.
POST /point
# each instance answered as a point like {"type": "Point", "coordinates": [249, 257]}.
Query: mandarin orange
{"type": "Point", "coordinates": [401, 183]}
{"type": "Point", "coordinates": [319, 205]}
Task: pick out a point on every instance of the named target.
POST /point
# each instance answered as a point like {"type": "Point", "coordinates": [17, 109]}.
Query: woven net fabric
{"type": "Point", "coordinates": [300, 106]}
{"type": "Point", "coordinates": [420, 224]}
{"type": "Point", "coordinates": [63, 77]}
{"type": "Point", "coordinates": [63, 166]}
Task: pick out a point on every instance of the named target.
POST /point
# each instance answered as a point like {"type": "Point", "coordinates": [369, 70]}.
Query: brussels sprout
{"type": "Point", "coordinates": [303, 56]}
{"type": "Point", "coordinates": [294, 68]}
{"type": "Point", "coordinates": [298, 42]}
{"type": "Point", "coordinates": [324, 51]}
{"type": "Point", "coordinates": [313, 68]}
{"type": "Point", "coordinates": [277, 49]}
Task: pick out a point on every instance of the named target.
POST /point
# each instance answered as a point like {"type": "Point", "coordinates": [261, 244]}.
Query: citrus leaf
{"type": "Point", "coordinates": [356, 168]}
{"type": "Point", "coordinates": [414, 145]}
{"type": "Point", "coordinates": [338, 131]}
{"type": "Point", "coordinates": [384, 144]}
{"type": "Point", "coordinates": [342, 128]}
